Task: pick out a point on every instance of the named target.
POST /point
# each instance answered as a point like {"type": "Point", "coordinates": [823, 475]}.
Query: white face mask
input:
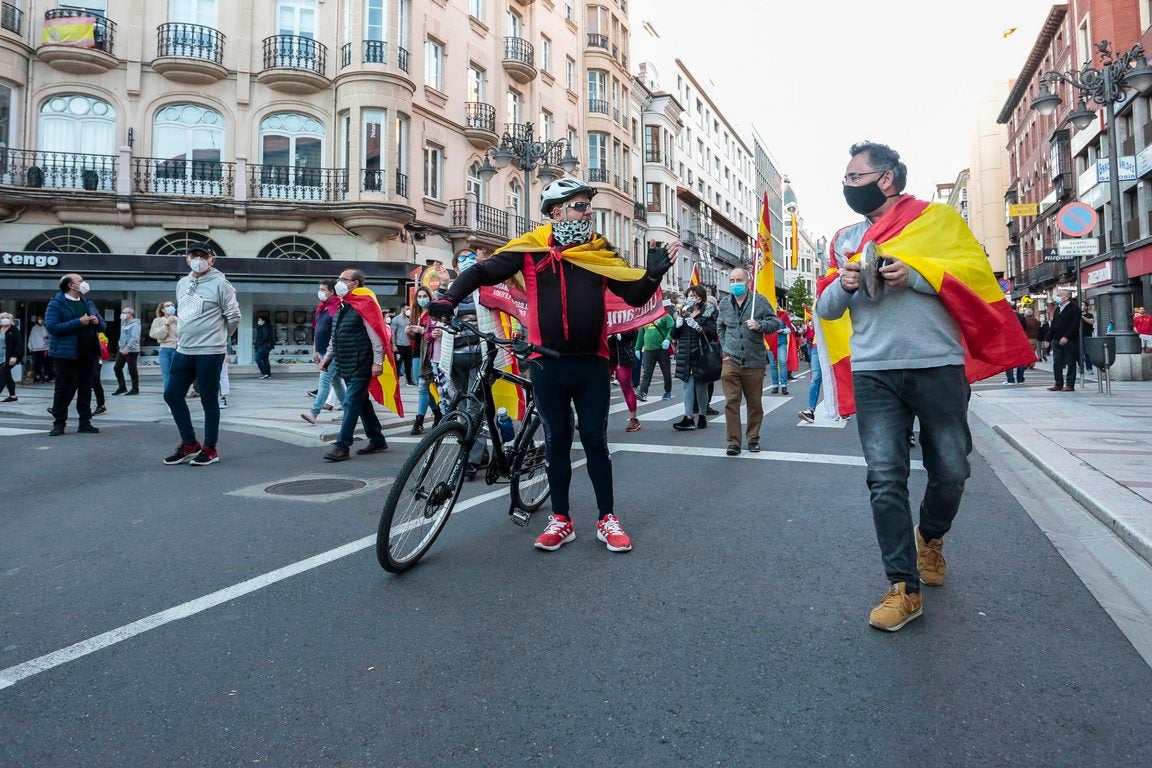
{"type": "Point", "coordinates": [199, 265]}
{"type": "Point", "coordinates": [84, 287]}
{"type": "Point", "coordinates": [322, 295]}
{"type": "Point", "coordinates": [342, 288]}
{"type": "Point", "coordinates": [123, 318]}
{"type": "Point", "coordinates": [5, 321]}
{"type": "Point", "coordinates": [259, 322]}
{"type": "Point", "coordinates": [169, 310]}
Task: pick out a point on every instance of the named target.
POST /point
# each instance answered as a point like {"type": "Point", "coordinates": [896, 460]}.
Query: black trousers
{"type": "Point", "coordinates": [118, 369]}
{"type": "Point", "coordinates": [1065, 357]}
{"type": "Point", "coordinates": [557, 385]}
{"type": "Point", "coordinates": [404, 358]}
{"type": "Point", "coordinates": [6, 380]}
{"type": "Point", "coordinates": [41, 366]}
{"type": "Point", "coordinates": [74, 378]}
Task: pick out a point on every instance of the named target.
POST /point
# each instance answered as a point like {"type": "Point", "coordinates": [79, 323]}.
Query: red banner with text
{"type": "Point", "coordinates": [621, 316]}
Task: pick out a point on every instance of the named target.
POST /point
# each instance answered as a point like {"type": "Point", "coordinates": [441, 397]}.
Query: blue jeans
{"type": "Point", "coordinates": [329, 380]}
{"type": "Point", "coordinates": [205, 371]}
{"type": "Point", "coordinates": [358, 405]}
{"type": "Point", "coordinates": [887, 403]}
{"type": "Point", "coordinates": [166, 354]}
{"type": "Point", "coordinates": [695, 397]}
{"type": "Point", "coordinates": [776, 362]}
{"type": "Point", "coordinates": [426, 400]}
{"type": "Point", "coordinates": [262, 361]}
{"type": "Point", "coordinates": [817, 378]}
{"type": "Point", "coordinates": [1016, 375]}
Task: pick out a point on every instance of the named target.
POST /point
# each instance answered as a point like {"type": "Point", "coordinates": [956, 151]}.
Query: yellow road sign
{"type": "Point", "coordinates": [1023, 209]}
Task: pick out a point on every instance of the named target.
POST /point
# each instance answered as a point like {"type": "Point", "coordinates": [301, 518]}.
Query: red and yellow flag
{"type": "Point", "coordinates": [934, 240]}
{"type": "Point", "coordinates": [695, 279]}
{"type": "Point", "coordinates": [385, 389]}
{"type": "Point", "coordinates": [765, 269]}
{"type": "Point", "coordinates": [79, 31]}
{"type": "Point", "coordinates": [773, 341]}
{"type": "Point", "coordinates": [795, 240]}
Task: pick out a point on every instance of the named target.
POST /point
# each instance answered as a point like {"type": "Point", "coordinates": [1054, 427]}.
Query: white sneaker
{"type": "Point", "coordinates": [308, 417]}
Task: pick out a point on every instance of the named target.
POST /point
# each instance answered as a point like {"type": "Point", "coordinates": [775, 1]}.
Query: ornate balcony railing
{"type": "Point", "coordinates": [345, 55]}
{"type": "Point", "coordinates": [518, 49]}
{"type": "Point", "coordinates": [180, 176]}
{"type": "Point", "coordinates": [282, 182]}
{"type": "Point", "coordinates": [103, 28]}
{"type": "Point", "coordinates": [58, 170]}
{"type": "Point", "coordinates": [372, 180]}
{"type": "Point", "coordinates": [190, 41]}
{"type": "Point", "coordinates": [652, 156]}
{"type": "Point", "coordinates": [524, 225]}
{"type": "Point", "coordinates": [460, 212]}
{"type": "Point", "coordinates": [11, 18]}
{"type": "Point", "coordinates": [596, 40]}
{"type": "Point", "coordinates": [480, 115]}
{"type": "Point", "coordinates": [402, 184]}
{"type": "Point", "coordinates": [599, 175]}
{"type": "Point", "coordinates": [491, 220]}
{"type": "Point", "coordinates": [375, 52]}
{"type": "Point", "coordinates": [598, 105]}
{"type": "Point", "coordinates": [402, 59]}
{"type": "Point", "coordinates": [295, 52]}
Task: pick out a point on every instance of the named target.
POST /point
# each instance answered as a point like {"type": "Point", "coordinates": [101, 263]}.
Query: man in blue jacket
{"type": "Point", "coordinates": [73, 324]}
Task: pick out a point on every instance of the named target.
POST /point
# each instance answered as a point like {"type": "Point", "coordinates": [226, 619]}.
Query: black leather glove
{"type": "Point", "coordinates": [658, 262]}
{"type": "Point", "coordinates": [441, 309]}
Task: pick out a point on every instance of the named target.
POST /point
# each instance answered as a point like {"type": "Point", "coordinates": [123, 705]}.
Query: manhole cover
{"type": "Point", "coordinates": [318, 487]}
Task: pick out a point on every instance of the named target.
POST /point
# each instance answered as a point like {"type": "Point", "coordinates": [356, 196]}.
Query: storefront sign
{"type": "Point", "coordinates": [434, 277]}
{"type": "Point", "coordinates": [1144, 161]}
{"type": "Point", "coordinates": [621, 316]}
{"type": "Point", "coordinates": [1023, 209]}
{"type": "Point", "coordinates": [37, 260]}
{"type": "Point", "coordinates": [1127, 165]}
{"type": "Point", "coordinates": [1099, 276]}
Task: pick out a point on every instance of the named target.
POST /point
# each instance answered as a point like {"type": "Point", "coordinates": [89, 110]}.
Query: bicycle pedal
{"type": "Point", "coordinates": [520, 517]}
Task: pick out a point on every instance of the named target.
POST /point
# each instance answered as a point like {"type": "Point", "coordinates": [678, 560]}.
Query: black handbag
{"type": "Point", "coordinates": [712, 363]}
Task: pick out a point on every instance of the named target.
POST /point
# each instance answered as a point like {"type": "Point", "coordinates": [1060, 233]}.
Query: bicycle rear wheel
{"type": "Point", "coordinates": [530, 486]}
{"type": "Point", "coordinates": [422, 497]}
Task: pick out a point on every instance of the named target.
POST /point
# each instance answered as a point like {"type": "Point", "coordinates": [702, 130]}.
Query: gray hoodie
{"type": "Point", "coordinates": [208, 312]}
{"type": "Point", "coordinates": [130, 336]}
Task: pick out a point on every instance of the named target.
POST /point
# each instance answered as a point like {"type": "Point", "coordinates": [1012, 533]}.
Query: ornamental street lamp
{"type": "Point", "coordinates": [1105, 86]}
{"type": "Point", "coordinates": [521, 147]}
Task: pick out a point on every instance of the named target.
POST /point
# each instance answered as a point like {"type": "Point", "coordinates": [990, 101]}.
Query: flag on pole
{"type": "Point", "coordinates": [795, 241]}
{"type": "Point", "coordinates": [695, 279]}
{"type": "Point", "coordinates": [765, 269]}
{"type": "Point", "coordinates": [385, 389]}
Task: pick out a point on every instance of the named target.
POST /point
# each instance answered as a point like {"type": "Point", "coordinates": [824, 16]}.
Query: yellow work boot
{"type": "Point", "coordinates": [930, 560]}
{"type": "Point", "coordinates": [896, 609]}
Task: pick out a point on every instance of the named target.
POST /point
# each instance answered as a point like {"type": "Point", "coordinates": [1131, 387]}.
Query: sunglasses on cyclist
{"type": "Point", "coordinates": [581, 206]}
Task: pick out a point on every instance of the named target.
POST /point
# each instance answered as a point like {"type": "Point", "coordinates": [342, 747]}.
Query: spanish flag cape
{"type": "Point", "coordinates": [773, 341]}
{"type": "Point", "coordinates": [385, 388]}
{"type": "Point", "coordinates": [594, 256]}
{"type": "Point", "coordinates": [934, 240]}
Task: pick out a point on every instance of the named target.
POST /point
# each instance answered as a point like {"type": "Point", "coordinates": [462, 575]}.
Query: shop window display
{"type": "Point", "coordinates": [291, 333]}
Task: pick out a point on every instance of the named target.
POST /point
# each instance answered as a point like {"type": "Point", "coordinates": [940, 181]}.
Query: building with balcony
{"type": "Point", "coordinates": [293, 137]}
{"type": "Point", "coordinates": [655, 176]}
{"type": "Point", "coordinates": [800, 253]}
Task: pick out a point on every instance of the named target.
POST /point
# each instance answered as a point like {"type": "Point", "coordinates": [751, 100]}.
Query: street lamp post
{"type": "Point", "coordinates": [528, 153]}
{"type": "Point", "coordinates": [1105, 86]}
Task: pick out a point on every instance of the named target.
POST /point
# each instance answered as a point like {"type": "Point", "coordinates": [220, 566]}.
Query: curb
{"type": "Point", "coordinates": [1126, 528]}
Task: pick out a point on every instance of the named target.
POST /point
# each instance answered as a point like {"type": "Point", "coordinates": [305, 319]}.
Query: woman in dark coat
{"type": "Point", "coordinates": [13, 350]}
{"type": "Point", "coordinates": [695, 329]}
{"type": "Point", "coordinates": [621, 348]}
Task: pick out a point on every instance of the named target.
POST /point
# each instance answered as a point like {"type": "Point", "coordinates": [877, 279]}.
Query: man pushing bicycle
{"type": "Point", "coordinates": [565, 268]}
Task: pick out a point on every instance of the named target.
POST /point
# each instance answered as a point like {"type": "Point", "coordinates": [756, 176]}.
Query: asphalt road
{"type": "Point", "coordinates": [734, 634]}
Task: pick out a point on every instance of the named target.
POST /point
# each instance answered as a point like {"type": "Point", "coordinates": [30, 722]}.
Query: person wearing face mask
{"type": "Point", "coordinates": [425, 334]}
{"type": "Point", "coordinates": [402, 344]}
{"type": "Point", "coordinates": [329, 380]}
{"type": "Point", "coordinates": [741, 324]}
{"type": "Point", "coordinates": [73, 323]}
{"type": "Point", "coordinates": [165, 329]}
{"type": "Point", "coordinates": [565, 269]}
{"type": "Point", "coordinates": [12, 347]}
{"type": "Point", "coordinates": [209, 315]}
{"type": "Point", "coordinates": [1064, 341]}
{"type": "Point", "coordinates": [263, 347]}
{"type": "Point", "coordinates": [38, 347]}
{"type": "Point", "coordinates": [127, 350]}
{"type": "Point", "coordinates": [929, 320]}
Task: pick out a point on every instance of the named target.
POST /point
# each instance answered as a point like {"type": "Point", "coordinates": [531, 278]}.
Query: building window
{"type": "Point", "coordinates": [474, 183]}
{"type": "Point", "coordinates": [77, 124]}
{"type": "Point", "coordinates": [570, 10]}
{"type": "Point", "coordinates": [179, 243]}
{"type": "Point", "coordinates": [515, 24]}
{"type": "Point", "coordinates": [372, 149]}
{"type": "Point", "coordinates": [375, 20]}
{"type": "Point", "coordinates": [402, 155]}
{"type": "Point", "coordinates": [433, 167]}
{"type": "Point", "coordinates": [67, 240]}
{"type": "Point", "coordinates": [476, 9]}
{"type": "Point", "coordinates": [570, 74]}
{"type": "Point", "coordinates": [515, 196]}
{"type": "Point", "coordinates": [188, 144]}
{"type": "Point", "coordinates": [291, 149]}
{"type": "Point", "coordinates": [545, 54]}
{"type": "Point", "coordinates": [477, 83]}
{"type": "Point", "coordinates": [5, 117]}
{"type": "Point", "coordinates": [514, 107]}
{"type": "Point", "coordinates": [598, 157]}
{"type": "Point", "coordinates": [547, 125]}
{"type": "Point", "coordinates": [653, 194]}
{"type": "Point", "coordinates": [434, 65]}
{"type": "Point", "coordinates": [294, 247]}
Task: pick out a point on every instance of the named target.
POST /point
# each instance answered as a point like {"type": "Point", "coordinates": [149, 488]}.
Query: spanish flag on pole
{"type": "Point", "coordinates": [795, 240]}
{"type": "Point", "coordinates": [932, 239]}
{"type": "Point", "coordinates": [385, 389]}
{"type": "Point", "coordinates": [695, 279]}
{"type": "Point", "coordinates": [765, 268]}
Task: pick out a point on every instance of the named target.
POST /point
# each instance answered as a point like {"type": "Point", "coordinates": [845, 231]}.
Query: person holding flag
{"type": "Point", "coordinates": [937, 321]}
{"type": "Point", "coordinates": [361, 345]}
{"type": "Point", "coordinates": [783, 352]}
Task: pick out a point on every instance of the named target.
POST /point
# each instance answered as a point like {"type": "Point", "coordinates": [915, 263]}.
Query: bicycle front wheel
{"type": "Point", "coordinates": [422, 497]}
{"type": "Point", "coordinates": [530, 486]}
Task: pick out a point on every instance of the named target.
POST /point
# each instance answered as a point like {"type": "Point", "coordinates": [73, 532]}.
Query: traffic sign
{"type": "Point", "coordinates": [1076, 219]}
{"type": "Point", "coordinates": [1080, 248]}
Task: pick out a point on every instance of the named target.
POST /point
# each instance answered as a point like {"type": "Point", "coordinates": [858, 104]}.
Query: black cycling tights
{"type": "Point", "coordinates": [556, 385]}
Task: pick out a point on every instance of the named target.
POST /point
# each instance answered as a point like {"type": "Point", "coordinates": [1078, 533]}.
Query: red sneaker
{"type": "Point", "coordinates": [184, 452]}
{"type": "Point", "coordinates": [558, 533]}
{"type": "Point", "coordinates": [608, 530]}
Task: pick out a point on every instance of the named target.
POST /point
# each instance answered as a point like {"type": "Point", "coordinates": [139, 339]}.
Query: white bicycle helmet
{"type": "Point", "coordinates": [561, 191]}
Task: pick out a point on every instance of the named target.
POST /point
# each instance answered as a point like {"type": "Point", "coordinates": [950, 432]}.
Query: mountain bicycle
{"type": "Point", "coordinates": [428, 484]}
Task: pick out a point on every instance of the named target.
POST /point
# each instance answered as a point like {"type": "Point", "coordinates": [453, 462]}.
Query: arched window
{"type": "Point", "coordinates": [293, 247]}
{"type": "Point", "coordinates": [475, 183]}
{"type": "Point", "coordinates": [67, 240]}
{"type": "Point", "coordinates": [76, 140]}
{"type": "Point", "coordinates": [179, 243]}
{"type": "Point", "coordinates": [291, 150]}
{"type": "Point", "coordinates": [514, 196]}
{"type": "Point", "coordinates": [188, 143]}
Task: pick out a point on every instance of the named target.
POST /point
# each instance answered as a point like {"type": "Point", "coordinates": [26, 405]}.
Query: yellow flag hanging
{"type": "Point", "coordinates": [765, 268]}
{"type": "Point", "coordinates": [79, 31]}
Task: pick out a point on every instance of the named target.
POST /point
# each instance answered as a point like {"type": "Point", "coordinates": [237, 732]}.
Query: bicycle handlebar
{"type": "Point", "coordinates": [519, 347]}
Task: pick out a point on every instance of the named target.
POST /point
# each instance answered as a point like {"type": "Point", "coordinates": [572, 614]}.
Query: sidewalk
{"type": "Point", "coordinates": [255, 403]}
{"type": "Point", "coordinates": [1097, 448]}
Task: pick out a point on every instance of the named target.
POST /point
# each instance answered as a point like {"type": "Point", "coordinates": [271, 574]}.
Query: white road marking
{"type": "Point", "coordinates": [12, 432]}
{"type": "Point", "coordinates": [806, 458]}
{"type": "Point", "coordinates": [13, 675]}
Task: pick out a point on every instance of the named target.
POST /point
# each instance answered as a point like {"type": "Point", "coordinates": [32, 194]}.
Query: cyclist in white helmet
{"type": "Point", "coordinates": [565, 268]}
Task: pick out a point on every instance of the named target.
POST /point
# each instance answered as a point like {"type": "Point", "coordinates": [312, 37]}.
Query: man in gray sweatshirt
{"type": "Point", "coordinates": [208, 315]}
{"type": "Point", "coordinates": [907, 362]}
{"type": "Point", "coordinates": [127, 351]}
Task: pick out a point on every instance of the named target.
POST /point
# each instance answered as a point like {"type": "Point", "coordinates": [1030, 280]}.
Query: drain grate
{"type": "Point", "coordinates": [317, 487]}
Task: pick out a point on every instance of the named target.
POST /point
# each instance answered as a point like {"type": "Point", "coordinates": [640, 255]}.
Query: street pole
{"type": "Point", "coordinates": [1120, 294]}
{"type": "Point", "coordinates": [527, 166]}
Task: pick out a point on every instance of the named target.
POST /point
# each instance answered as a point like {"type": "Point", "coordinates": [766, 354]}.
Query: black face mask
{"type": "Point", "coordinates": [866, 198]}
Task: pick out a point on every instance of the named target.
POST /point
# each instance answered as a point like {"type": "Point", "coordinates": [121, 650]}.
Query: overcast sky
{"type": "Point", "coordinates": [815, 76]}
